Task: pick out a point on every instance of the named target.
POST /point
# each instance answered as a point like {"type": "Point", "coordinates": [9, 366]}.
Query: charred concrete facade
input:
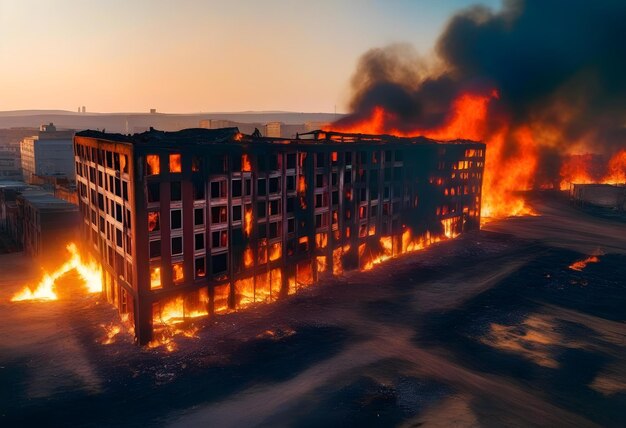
{"type": "Point", "coordinates": [201, 222]}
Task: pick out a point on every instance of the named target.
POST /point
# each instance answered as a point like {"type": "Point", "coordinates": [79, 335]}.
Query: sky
{"type": "Point", "coordinates": [187, 56]}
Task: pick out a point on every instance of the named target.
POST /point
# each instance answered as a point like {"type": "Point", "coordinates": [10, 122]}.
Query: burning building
{"type": "Point", "coordinates": [200, 222]}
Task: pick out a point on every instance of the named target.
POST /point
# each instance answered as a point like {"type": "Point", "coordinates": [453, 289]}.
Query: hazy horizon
{"type": "Point", "coordinates": [197, 57]}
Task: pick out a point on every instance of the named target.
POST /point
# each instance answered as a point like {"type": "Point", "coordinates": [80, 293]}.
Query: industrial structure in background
{"type": "Point", "coordinates": [200, 222]}
{"type": "Point", "coordinates": [38, 222]}
{"type": "Point", "coordinates": [49, 153]}
{"type": "Point", "coordinates": [611, 196]}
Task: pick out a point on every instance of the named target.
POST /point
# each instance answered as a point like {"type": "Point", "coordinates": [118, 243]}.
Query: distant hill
{"type": "Point", "coordinates": [136, 122]}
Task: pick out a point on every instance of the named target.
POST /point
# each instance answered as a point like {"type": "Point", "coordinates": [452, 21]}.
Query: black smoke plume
{"type": "Point", "coordinates": [556, 64]}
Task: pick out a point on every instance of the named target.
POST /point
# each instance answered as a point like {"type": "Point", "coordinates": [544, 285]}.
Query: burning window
{"type": "Point", "coordinates": [155, 278]}
{"type": "Point", "coordinates": [153, 221]}
{"type": "Point", "coordinates": [196, 164]}
{"type": "Point", "coordinates": [275, 251]}
{"type": "Point", "coordinates": [245, 163]}
{"type": "Point", "coordinates": [152, 165]}
{"type": "Point", "coordinates": [303, 244]}
{"type": "Point", "coordinates": [199, 267]}
{"type": "Point", "coordinates": [219, 215]}
{"type": "Point", "coordinates": [321, 240]}
{"type": "Point", "coordinates": [247, 227]}
{"type": "Point", "coordinates": [248, 257]}
{"type": "Point", "coordinates": [175, 163]}
{"type": "Point", "coordinates": [177, 272]}
{"type": "Point", "coordinates": [219, 239]}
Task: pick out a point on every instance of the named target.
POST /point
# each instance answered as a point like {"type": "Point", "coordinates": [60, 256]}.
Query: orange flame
{"type": "Point", "coordinates": [90, 272]}
{"type": "Point", "coordinates": [175, 163]}
{"type": "Point", "coordinates": [247, 221]}
{"type": "Point", "coordinates": [617, 169]}
{"type": "Point", "coordinates": [468, 119]}
{"type": "Point", "coordinates": [154, 166]}
{"type": "Point", "coordinates": [245, 163]}
{"type": "Point", "coordinates": [581, 264]}
{"type": "Point", "coordinates": [248, 257]}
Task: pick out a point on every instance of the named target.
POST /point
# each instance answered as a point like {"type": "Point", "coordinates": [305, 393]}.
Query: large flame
{"type": "Point", "coordinates": [90, 273]}
{"type": "Point", "coordinates": [582, 169]}
{"type": "Point", "coordinates": [468, 119]}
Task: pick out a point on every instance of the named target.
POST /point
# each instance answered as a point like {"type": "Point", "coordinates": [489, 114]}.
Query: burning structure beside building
{"type": "Point", "coordinates": [201, 221]}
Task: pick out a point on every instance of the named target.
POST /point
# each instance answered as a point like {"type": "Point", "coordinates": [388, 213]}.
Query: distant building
{"type": "Point", "coordinates": [216, 123]}
{"type": "Point", "coordinates": [49, 153]}
{"type": "Point", "coordinates": [10, 165]}
{"type": "Point", "coordinates": [272, 129]}
{"type": "Point", "coordinates": [152, 111]}
{"type": "Point", "coordinates": [49, 223]}
{"type": "Point", "coordinates": [35, 220]}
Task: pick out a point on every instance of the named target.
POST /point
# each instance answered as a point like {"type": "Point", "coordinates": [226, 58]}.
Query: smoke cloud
{"type": "Point", "coordinates": [559, 68]}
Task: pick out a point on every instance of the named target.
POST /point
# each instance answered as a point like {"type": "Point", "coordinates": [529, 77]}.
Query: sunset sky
{"type": "Point", "coordinates": [192, 56]}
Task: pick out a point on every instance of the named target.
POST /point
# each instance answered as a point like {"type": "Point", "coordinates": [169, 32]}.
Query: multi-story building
{"type": "Point", "coordinates": [10, 165]}
{"type": "Point", "coordinates": [49, 223]}
{"type": "Point", "coordinates": [48, 153]}
{"type": "Point", "coordinates": [201, 221]}
{"type": "Point", "coordinates": [36, 220]}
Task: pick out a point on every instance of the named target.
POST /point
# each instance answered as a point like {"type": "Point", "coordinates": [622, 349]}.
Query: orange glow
{"type": "Point", "coordinates": [245, 163]}
{"type": "Point", "coordinates": [221, 296]}
{"type": "Point", "coordinates": [153, 221]}
{"type": "Point", "coordinates": [247, 221]}
{"type": "Point", "coordinates": [575, 169]}
{"type": "Point", "coordinates": [175, 163]}
{"type": "Point", "coordinates": [321, 263]}
{"type": "Point", "coordinates": [154, 167]}
{"type": "Point", "coordinates": [275, 251]}
{"type": "Point", "coordinates": [244, 290]}
{"type": "Point", "coordinates": [337, 259]}
{"type": "Point", "coordinates": [177, 272]}
{"type": "Point", "coordinates": [468, 119]}
{"type": "Point", "coordinates": [617, 169]}
{"type": "Point", "coordinates": [90, 272]}
{"type": "Point", "coordinates": [248, 257]}
{"type": "Point", "coordinates": [581, 264]}
{"type": "Point", "coordinates": [169, 314]}
{"type": "Point", "coordinates": [450, 227]}
{"type": "Point", "coordinates": [155, 278]}
{"type": "Point", "coordinates": [321, 240]}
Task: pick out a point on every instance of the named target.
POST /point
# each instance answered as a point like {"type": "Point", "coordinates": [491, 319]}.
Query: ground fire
{"type": "Point", "coordinates": [202, 222]}
{"type": "Point", "coordinates": [90, 273]}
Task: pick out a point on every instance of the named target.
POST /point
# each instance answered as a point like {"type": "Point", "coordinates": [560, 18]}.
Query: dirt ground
{"type": "Point", "coordinates": [492, 329]}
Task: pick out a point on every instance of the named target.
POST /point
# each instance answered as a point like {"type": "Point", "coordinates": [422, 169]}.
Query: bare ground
{"type": "Point", "coordinates": [489, 330]}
